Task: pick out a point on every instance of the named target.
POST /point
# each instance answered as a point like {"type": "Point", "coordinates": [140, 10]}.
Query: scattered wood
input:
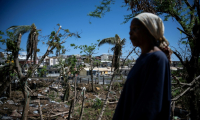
{"type": "Point", "coordinates": [60, 113]}
{"type": "Point", "coordinates": [113, 102]}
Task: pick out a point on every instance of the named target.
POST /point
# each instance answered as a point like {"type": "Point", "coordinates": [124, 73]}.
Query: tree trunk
{"type": "Point", "coordinates": [10, 91]}
{"type": "Point", "coordinates": [74, 91]}
{"type": "Point", "coordinates": [67, 92]}
{"type": "Point", "coordinates": [4, 86]}
{"type": "Point", "coordinates": [26, 103]}
{"type": "Point", "coordinates": [92, 74]}
{"type": "Point", "coordinates": [192, 96]}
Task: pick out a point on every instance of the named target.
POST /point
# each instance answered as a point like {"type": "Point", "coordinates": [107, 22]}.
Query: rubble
{"type": "Point", "coordinates": [50, 99]}
{"type": "Point", "coordinates": [15, 114]}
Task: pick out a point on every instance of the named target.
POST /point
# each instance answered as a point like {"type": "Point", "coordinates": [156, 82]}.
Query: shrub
{"type": "Point", "coordinates": [97, 104]}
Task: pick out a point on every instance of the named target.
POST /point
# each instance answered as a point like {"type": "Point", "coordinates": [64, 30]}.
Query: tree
{"type": "Point", "coordinates": [187, 14]}
{"type": "Point", "coordinates": [118, 44]}
{"type": "Point", "coordinates": [13, 41]}
{"type": "Point", "coordinates": [69, 67]}
{"type": "Point", "coordinates": [43, 71]}
{"type": "Point", "coordinates": [89, 51]}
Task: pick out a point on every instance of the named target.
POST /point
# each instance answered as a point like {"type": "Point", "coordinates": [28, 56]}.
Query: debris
{"type": "Point", "coordinates": [112, 92]}
{"type": "Point", "coordinates": [33, 105]}
{"type": "Point", "coordinates": [3, 98]}
{"type": "Point", "coordinates": [66, 105]}
{"type": "Point", "coordinates": [7, 118]}
{"type": "Point", "coordinates": [40, 95]}
{"type": "Point", "coordinates": [10, 102]}
{"type": "Point", "coordinates": [35, 112]}
{"type": "Point", "coordinates": [15, 114]}
{"type": "Point", "coordinates": [97, 88]}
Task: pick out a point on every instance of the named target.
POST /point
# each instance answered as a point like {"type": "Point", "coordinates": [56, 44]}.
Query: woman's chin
{"type": "Point", "coordinates": [134, 44]}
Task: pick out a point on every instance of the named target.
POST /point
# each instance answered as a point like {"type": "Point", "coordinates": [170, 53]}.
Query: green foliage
{"type": "Point", "coordinates": [101, 9]}
{"type": "Point", "coordinates": [71, 64]}
{"type": "Point", "coordinates": [43, 71]}
{"type": "Point", "coordinates": [1, 33]}
{"type": "Point", "coordinates": [88, 50]}
{"type": "Point", "coordinates": [97, 104]}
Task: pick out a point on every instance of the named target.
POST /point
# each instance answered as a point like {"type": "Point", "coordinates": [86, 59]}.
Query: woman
{"type": "Point", "coordinates": [147, 92]}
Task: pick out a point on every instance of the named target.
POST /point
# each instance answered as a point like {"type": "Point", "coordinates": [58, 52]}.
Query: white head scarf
{"type": "Point", "coordinates": [153, 23]}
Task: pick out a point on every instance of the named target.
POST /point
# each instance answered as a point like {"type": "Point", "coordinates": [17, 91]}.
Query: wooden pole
{"type": "Point", "coordinates": [41, 117]}
{"type": "Point", "coordinates": [75, 91]}
{"type": "Point", "coordinates": [80, 80]}
{"type": "Point", "coordinates": [70, 109]}
{"type": "Point", "coordinates": [82, 109]}
{"type": "Point", "coordinates": [103, 80]}
{"type": "Point", "coordinates": [88, 81]}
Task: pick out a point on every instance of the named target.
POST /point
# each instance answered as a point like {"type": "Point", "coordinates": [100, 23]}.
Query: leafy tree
{"type": "Point", "coordinates": [187, 14]}
{"type": "Point", "coordinates": [97, 63]}
{"type": "Point", "coordinates": [13, 41]}
{"type": "Point", "coordinates": [89, 51]}
{"type": "Point", "coordinates": [43, 71]}
{"type": "Point", "coordinates": [68, 67]}
{"type": "Point", "coordinates": [118, 44]}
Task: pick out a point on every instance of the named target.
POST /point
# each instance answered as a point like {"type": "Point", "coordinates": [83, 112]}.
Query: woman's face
{"type": "Point", "coordinates": [138, 33]}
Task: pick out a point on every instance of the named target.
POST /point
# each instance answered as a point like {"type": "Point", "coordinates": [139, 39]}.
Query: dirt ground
{"type": "Point", "coordinates": [54, 108]}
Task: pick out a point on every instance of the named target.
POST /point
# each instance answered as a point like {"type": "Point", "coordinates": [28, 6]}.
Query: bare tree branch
{"type": "Point", "coordinates": [189, 88]}
{"type": "Point", "coordinates": [107, 96]}
{"type": "Point", "coordinates": [179, 57]}
{"type": "Point", "coordinates": [185, 33]}
{"type": "Point", "coordinates": [128, 56]}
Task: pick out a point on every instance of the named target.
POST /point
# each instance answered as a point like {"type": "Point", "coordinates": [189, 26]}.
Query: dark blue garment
{"type": "Point", "coordinates": [147, 92]}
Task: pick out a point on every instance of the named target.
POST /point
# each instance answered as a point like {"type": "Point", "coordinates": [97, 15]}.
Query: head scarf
{"type": "Point", "coordinates": [156, 28]}
{"type": "Point", "coordinates": [153, 23]}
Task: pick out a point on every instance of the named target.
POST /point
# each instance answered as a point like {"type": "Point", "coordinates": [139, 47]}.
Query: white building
{"type": "Point", "coordinates": [106, 57]}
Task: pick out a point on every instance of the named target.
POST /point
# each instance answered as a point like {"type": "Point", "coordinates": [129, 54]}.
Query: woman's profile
{"type": "Point", "coordinates": [147, 92]}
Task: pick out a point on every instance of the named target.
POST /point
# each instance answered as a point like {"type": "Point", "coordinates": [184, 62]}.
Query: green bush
{"type": "Point", "coordinates": [97, 104]}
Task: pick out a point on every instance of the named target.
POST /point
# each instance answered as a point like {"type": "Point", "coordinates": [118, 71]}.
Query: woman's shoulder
{"type": "Point", "coordinates": [153, 56]}
{"type": "Point", "coordinates": [158, 56]}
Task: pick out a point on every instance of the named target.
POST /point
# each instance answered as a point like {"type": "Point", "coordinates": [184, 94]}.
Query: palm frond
{"type": "Point", "coordinates": [110, 40]}
{"type": "Point", "coordinates": [113, 48]}
{"type": "Point", "coordinates": [35, 47]}
{"type": "Point", "coordinates": [123, 42]}
{"type": "Point", "coordinates": [20, 29]}
{"type": "Point", "coordinates": [117, 38]}
{"type": "Point", "coordinates": [12, 27]}
{"type": "Point", "coordinates": [31, 46]}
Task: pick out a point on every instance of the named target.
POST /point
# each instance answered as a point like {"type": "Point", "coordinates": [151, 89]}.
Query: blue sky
{"type": "Point", "coordinates": [72, 15]}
